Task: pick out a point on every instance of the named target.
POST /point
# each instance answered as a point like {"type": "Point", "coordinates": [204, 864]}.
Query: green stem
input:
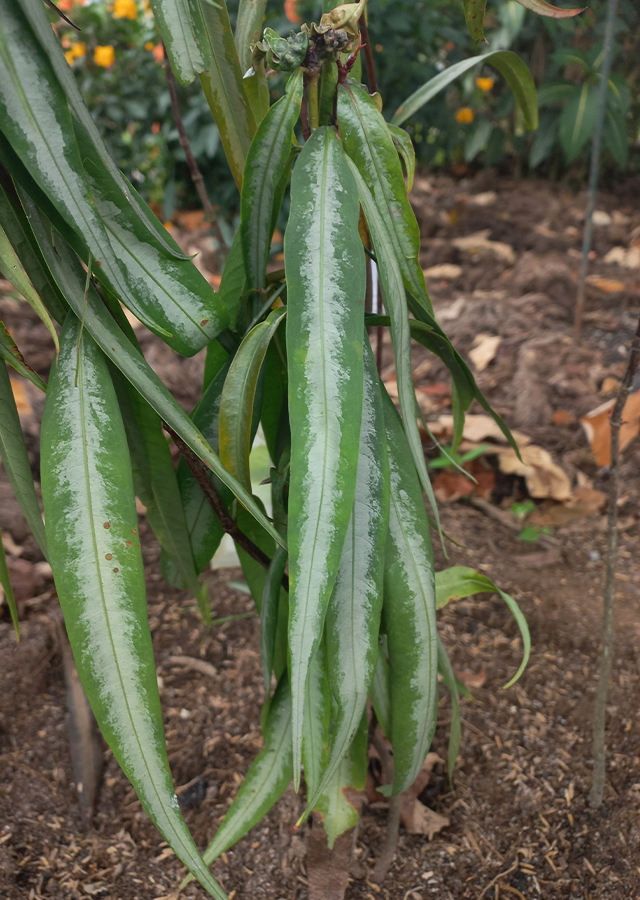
{"type": "Point", "coordinates": [314, 111]}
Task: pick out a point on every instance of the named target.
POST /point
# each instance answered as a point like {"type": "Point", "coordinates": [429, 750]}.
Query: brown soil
{"type": "Point", "coordinates": [520, 823]}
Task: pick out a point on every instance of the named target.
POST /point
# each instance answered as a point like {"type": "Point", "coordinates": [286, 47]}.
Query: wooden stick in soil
{"type": "Point", "coordinates": [600, 704]}
{"type": "Point", "coordinates": [368, 55]}
{"type": "Point", "coordinates": [229, 524]}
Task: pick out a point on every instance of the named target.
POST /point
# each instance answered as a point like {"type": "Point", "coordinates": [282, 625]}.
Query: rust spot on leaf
{"type": "Point", "coordinates": [134, 531]}
{"type": "Point", "coordinates": [204, 322]}
{"type": "Point", "coordinates": [128, 543]}
{"type": "Point", "coordinates": [109, 556]}
{"type": "Point", "coordinates": [116, 570]}
{"type": "Point", "coordinates": [107, 524]}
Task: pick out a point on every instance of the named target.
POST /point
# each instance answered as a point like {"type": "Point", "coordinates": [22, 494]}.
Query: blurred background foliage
{"type": "Point", "coordinates": [117, 59]}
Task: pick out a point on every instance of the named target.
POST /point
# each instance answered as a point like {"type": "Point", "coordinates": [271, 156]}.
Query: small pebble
{"type": "Point", "coordinates": [594, 556]}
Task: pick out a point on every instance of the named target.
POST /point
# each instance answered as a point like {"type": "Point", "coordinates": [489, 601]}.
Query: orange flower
{"type": "Point", "coordinates": [485, 84]}
{"type": "Point", "coordinates": [158, 53]}
{"type": "Point", "coordinates": [290, 11]}
{"type": "Point", "coordinates": [464, 116]}
{"type": "Point", "coordinates": [79, 49]}
{"type": "Point", "coordinates": [104, 56]}
{"type": "Point", "coordinates": [149, 45]}
{"type": "Point", "coordinates": [65, 5]}
{"type": "Point", "coordinates": [125, 9]}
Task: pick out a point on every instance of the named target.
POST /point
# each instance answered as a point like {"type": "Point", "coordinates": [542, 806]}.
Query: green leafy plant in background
{"type": "Point", "coordinates": [342, 572]}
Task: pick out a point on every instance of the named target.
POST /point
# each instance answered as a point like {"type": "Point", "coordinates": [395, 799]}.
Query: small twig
{"type": "Point", "coordinates": [368, 56]}
{"type": "Point", "coordinates": [600, 703]}
{"type": "Point", "coordinates": [304, 109]}
{"type": "Point", "coordinates": [229, 524]}
{"type": "Point", "coordinates": [499, 876]}
{"type": "Point", "coordinates": [196, 174]}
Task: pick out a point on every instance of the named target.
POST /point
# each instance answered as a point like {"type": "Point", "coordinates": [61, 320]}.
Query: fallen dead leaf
{"type": "Point", "coordinates": [20, 396]}
{"type": "Point", "coordinates": [583, 502]}
{"type": "Point", "coordinates": [607, 285]}
{"type": "Point", "coordinates": [419, 819]}
{"type": "Point", "coordinates": [486, 198]}
{"type": "Point", "coordinates": [629, 259]}
{"type": "Point", "coordinates": [477, 429]}
{"type": "Point", "coordinates": [191, 218]}
{"type": "Point", "coordinates": [485, 347]}
{"type": "Point", "coordinates": [597, 427]}
{"type": "Point", "coordinates": [478, 244]}
{"type": "Point", "coordinates": [214, 281]}
{"type": "Point", "coordinates": [450, 484]}
{"type": "Point", "coordinates": [609, 385]}
{"type": "Point", "coordinates": [473, 680]}
{"type": "Point", "coordinates": [543, 477]}
{"type": "Point", "coordinates": [446, 271]}
{"type": "Point", "coordinates": [562, 417]}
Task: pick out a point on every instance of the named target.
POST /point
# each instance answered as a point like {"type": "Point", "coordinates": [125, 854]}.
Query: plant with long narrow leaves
{"type": "Point", "coordinates": [342, 570]}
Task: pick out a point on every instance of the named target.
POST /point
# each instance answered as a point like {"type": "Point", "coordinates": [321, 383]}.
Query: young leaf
{"type": "Point", "coordinates": [507, 63]}
{"type": "Point", "coordinates": [5, 581]}
{"type": "Point", "coordinates": [409, 611]}
{"type": "Point", "coordinates": [546, 9]}
{"type": "Point", "coordinates": [394, 296]}
{"type": "Point", "coordinates": [325, 269]}
{"type": "Point", "coordinates": [266, 160]}
{"type": "Point", "coordinates": [461, 581]}
{"type": "Point", "coordinates": [236, 405]}
{"type": "Point", "coordinates": [12, 271]}
{"type": "Point", "coordinates": [15, 460]}
{"type": "Point", "coordinates": [101, 326]}
{"type": "Point", "coordinates": [97, 564]}
{"type": "Point", "coordinates": [405, 148]}
{"type": "Point", "coordinates": [368, 142]}
{"type": "Point", "coordinates": [222, 82]}
{"type": "Point", "coordinates": [353, 614]}
{"type": "Point", "coordinates": [266, 779]}
{"type": "Point", "coordinates": [9, 353]}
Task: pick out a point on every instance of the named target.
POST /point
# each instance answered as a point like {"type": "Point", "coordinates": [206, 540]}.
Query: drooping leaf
{"type": "Point", "coordinates": [546, 9]}
{"type": "Point", "coordinates": [13, 272]}
{"type": "Point", "coordinates": [36, 121]}
{"type": "Point", "coordinates": [15, 460]}
{"type": "Point", "coordinates": [507, 63]}
{"type": "Point", "coordinates": [404, 146]}
{"type": "Point", "coordinates": [95, 555]}
{"type": "Point", "coordinates": [394, 297]}
{"type": "Point", "coordinates": [5, 581]}
{"type": "Point", "coordinates": [317, 717]}
{"type": "Point", "coordinates": [338, 803]}
{"type": "Point", "coordinates": [236, 405]}
{"type": "Point", "coordinates": [222, 82]}
{"type": "Point", "coordinates": [171, 291]}
{"type": "Point", "coordinates": [368, 142]}
{"type": "Point", "coordinates": [325, 269]}
{"type": "Point", "coordinates": [461, 581]}
{"type": "Point", "coordinates": [266, 779]}
{"type": "Point", "coordinates": [474, 16]}
{"type": "Point", "coordinates": [9, 353]}
{"type": "Point", "coordinates": [266, 161]}
{"type": "Point", "coordinates": [50, 43]}
{"type": "Point", "coordinates": [409, 611]}
{"type": "Point", "coordinates": [101, 326]}
{"type": "Point", "coordinates": [233, 283]}
{"type": "Point", "coordinates": [353, 614]}
{"type": "Point", "coordinates": [176, 26]}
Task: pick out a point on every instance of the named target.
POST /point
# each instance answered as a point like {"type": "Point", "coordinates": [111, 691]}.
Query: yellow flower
{"type": "Point", "coordinates": [149, 45]}
{"type": "Point", "coordinates": [104, 56]}
{"type": "Point", "coordinates": [125, 9]}
{"type": "Point", "coordinates": [70, 58]}
{"type": "Point", "coordinates": [485, 84]}
{"type": "Point", "coordinates": [79, 49]}
{"type": "Point", "coordinates": [464, 115]}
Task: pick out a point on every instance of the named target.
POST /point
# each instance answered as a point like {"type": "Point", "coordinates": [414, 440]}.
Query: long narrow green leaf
{"type": "Point", "coordinates": [406, 150]}
{"type": "Point", "coordinates": [381, 692]}
{"type": "Point", "coordinates": [12, 271]}
{"type": "Point", "coordinates": [9, 353]}
{"type": "Point", "coordinates": [266, 160]}
{"type": "Point", "coordinates": [325, 269]}
{"type": "Point", "coordinates": [171, 291]}
{"type": "Point", "coordinates": [97, 563]}
{"type": "Point", "coordinates": [578, 119]}
{"type": "Point", "coordinates": [353, 614]}
{"type": "Point", "coordinates": [35, 119]}
{"type": "Point", "coordinates": [266, 779]}
{"type": "Point", "coordinates": [461, 581]}
{"type": "Point", "coordinates": [368, 142]}
{"type": "Point", "coordinates": [506, 62]}
{"type": "Point", "coordinates": [394, 297]}
{"type": "Point", "coordinates": [269, 613]}
{"type": "Point", "coordinates": [101, 326]}
{"type": "Point", "coordinates": [248, 29]}
{"type": "Point", "coordinates": [222, 82]}
{"type": "Point", "coordinates": [236, 405]}
{"type": "Point", "coordinates": [317, 718]}
{"type": "Point", "coordinates": [445, 670]}
{"type": "Point", "coordinates": [474, 16]}
{"type": "Point", "coordinates": [233, 284]}
{"type": "Point", "coordinates": [35, 13]}
{"type": "Point", "coordinates": [336, 802]}
{"type": "Point", "coordinates": [5, 581]}
{"type": "Point", "coordinates": [176, 26]}
{"type": "Point", "coordinates": [15, 460]}
{"type": "Point", "coordinates": [409, 612]}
